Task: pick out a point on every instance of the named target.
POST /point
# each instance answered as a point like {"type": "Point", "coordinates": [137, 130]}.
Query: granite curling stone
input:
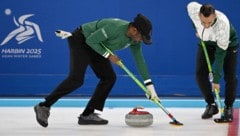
{"type": "Point", "coordinates": [136, 118]}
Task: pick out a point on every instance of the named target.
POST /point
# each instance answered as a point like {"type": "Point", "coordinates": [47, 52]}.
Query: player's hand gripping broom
{"type": "Point", "coordinates": [155, 100]}
{"type": "Point", "coordinates": [221, 120]}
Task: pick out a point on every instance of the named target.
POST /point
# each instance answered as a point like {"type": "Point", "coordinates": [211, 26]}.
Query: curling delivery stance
{"type": "Point", "coordinates": [86, 49]}
{"type": "Point", "coordinates": [221, 41]}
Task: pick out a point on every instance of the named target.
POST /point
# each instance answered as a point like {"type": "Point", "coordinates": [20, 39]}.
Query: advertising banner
{"type": "Point", "coordinates": [33, 61]}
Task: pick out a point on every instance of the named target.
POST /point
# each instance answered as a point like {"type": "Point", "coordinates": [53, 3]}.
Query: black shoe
{"type": "Point", "coordinates": [228, 113]}
{"type": "Point", "coordinates": [42, 114]}
{"type": "Point", "coordinates": [210, 111]}
{"type": "Point", "coordinates": [92, 119]}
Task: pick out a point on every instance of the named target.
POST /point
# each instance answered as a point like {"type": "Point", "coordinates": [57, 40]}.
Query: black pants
{"type": "Point", "coordinates": [82, 56]}
{"type": "Point", "coordinates": [229, 70]}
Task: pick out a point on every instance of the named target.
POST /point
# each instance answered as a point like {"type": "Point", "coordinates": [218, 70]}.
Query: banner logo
{"type": "Point", "coordinates": [25, 30]}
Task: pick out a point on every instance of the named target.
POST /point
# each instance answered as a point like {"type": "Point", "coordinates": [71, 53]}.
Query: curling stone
{"type": "Point", "coordinates": [136, 118]}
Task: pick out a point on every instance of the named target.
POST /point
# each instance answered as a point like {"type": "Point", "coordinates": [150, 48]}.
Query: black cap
{"type": "Point", "coordinates": [144, 26]}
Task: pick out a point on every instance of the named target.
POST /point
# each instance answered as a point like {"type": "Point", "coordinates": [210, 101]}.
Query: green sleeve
{"type": "Point", "coordinates": [140, 62]}
{"type": "Point", "coordinates": [218, 64]}
{"type": "Point", "coordinates": [96, 38]}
